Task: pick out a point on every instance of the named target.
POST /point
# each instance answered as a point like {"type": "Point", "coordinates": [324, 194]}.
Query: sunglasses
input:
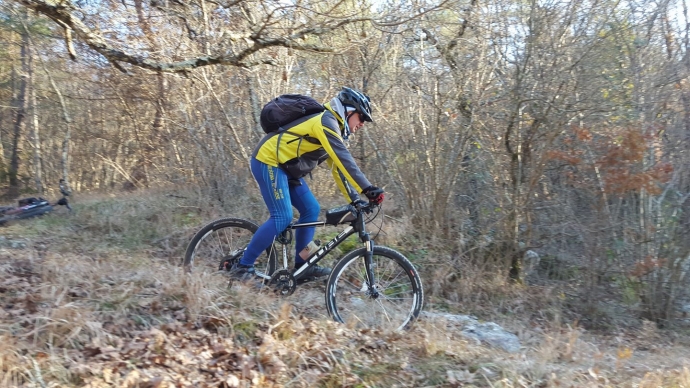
{"type": "Point", "coordinates": [362, 117]}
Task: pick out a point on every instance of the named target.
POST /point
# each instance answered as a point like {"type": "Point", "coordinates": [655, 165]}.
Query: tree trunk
{"type": "Point", "coordinates": [3, 160]}
{"type": "Point", "coordinates": [38, 157]}
{"type": "Point", "coordinates": [20, 106]}
{"type": "Point", "coordinates": [64, 157]}
{"type": "Point", "coordinates": [256, 105]}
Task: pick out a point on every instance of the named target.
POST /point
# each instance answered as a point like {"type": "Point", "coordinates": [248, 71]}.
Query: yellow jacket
{"type": "Point", "coordinates": [308, 143]}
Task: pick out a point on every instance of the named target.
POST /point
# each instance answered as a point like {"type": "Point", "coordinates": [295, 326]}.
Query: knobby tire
{"type": "Point", "coordinates": [400, 294]}
{"type": "Point", "coordinates": [220, 241]}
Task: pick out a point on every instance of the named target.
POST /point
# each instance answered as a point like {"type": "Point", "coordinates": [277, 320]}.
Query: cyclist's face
{"type": "Point", "coordinates": [355, 121]}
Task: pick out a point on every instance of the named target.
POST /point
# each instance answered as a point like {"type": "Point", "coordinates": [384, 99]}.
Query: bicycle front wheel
{"type": "Point", "coordinates": [220, 244]}
{"type": "Point", "coordinates": [393, 302]}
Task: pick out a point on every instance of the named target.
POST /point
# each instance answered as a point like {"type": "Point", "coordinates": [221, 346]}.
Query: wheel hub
{"type": "Point", "coordinates": [373, 292]}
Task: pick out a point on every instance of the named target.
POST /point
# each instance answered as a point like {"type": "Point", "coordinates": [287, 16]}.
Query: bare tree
{"type": "Point", "coordinates": [35, 127]}
{"type": "Point", "coordinates": [256, 26]}
{"type": "Point", "coordinates": [20, 105]}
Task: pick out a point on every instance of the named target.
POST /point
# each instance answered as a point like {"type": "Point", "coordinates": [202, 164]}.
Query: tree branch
{"type": "Point", "coordinates": [68, 41]}
{"type": "Point", "coordinates": [65, 13]}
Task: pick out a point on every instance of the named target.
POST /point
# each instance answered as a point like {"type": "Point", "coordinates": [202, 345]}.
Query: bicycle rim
{"type": "Point", "coordinates": [221, 243]}
{"type": "Point", "coordinates": [400, 293]}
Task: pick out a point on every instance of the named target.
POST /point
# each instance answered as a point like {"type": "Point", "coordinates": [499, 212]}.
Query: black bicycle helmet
{"type": "Point", "coordinates": [357, 100]}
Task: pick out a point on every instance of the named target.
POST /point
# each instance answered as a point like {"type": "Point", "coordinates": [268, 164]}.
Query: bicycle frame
{"type": "Point", "coordinates": [357, 226]}
{"type": "Point", "coordinates": [34, 209]}
{"type": "Point", "coordinates": [369, 285]}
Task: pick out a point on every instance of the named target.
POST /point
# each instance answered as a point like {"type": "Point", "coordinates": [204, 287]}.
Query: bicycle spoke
{"type": "Point", "coordinates": [354, 286]}
{"type": "Point", "coordinates": [221, 240]}
{"type": "Point", "coordinates": [219, 243]}
{"type": "Point", "coordinates": [391, 302]}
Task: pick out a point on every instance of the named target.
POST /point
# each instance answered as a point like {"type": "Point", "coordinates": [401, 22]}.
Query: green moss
{"type": "Point", "coordinates": [244, 331]}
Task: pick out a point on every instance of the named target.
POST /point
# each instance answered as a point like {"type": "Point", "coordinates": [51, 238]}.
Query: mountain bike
{"type": "Point", "coordinates": [33, 206]}
{"type": "Point", "coordinates": [371, 286]}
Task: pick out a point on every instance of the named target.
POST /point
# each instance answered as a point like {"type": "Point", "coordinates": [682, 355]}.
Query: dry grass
{"type": "Point", "coordinates": [98, 299]}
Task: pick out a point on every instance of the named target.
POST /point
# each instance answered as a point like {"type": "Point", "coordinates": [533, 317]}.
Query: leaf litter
{"type": "Point", "coordinates": [72, 320]}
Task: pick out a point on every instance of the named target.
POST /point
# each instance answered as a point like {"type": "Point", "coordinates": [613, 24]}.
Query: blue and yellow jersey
{"type": "Point", "coordinates": [302, 147]}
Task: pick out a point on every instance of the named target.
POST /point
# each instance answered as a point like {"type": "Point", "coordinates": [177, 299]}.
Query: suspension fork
{"type": "Point", "coordinates": [368, 264]}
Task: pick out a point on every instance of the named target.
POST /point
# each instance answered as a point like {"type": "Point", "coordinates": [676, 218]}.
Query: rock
{"type": "Point", "coordinates": [494, 335]}
{"type": "Point", "coordinates": [12, 244]}
{"type": "Point", "coordinates": [453, 318]}
{"type": "Point", "coordinates": [17, 244]}
{"type": "Point", "coordinates": [487, 332]}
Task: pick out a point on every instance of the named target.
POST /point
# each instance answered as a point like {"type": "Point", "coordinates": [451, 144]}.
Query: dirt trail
{"type": "Point", "coordinates": [123, 319]}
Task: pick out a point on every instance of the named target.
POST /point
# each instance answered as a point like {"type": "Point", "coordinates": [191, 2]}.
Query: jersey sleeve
{"type": "Point", "coordinates": [349, 192]}
{"type": "Point", "coordinates": [346, 173]}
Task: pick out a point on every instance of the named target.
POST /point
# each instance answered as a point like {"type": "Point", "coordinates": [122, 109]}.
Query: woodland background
{"type": "Point", "coordinates": [560, 127]}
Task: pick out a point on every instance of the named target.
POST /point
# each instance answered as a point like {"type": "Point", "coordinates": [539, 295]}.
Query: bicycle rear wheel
{"type": "Point", "coordinates": [399, 288]}
{"type": "Point", "coordinates": [220, 244]}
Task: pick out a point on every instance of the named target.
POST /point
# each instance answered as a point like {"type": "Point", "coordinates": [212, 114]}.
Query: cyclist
{"type": "Point", "coordinates": [281, 160]}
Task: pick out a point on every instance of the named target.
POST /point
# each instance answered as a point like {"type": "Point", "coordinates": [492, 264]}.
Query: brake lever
{"type": "Point", "coordinates": [369, 208]}
{"type": "Point", "coordinates": [359, 204]}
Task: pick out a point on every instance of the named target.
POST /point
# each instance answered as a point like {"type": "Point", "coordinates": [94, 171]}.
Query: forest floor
{"type": "Point", "coordinates": [79, 310]}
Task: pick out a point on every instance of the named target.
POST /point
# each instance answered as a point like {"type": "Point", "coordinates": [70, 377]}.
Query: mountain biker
{"type": "Point", "coordinates": [280, 162]}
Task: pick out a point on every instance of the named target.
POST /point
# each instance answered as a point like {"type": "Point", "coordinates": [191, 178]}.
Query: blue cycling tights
{"type": "Point", "coordinates": [280, 197]}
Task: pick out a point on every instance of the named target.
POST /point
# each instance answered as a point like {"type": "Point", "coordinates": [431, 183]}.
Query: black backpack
{"type": "Point", "coordinates": [285, 109]}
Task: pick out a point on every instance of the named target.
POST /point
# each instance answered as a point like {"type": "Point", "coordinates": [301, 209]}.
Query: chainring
{"type": "Point", "coordinates": [283, 283]}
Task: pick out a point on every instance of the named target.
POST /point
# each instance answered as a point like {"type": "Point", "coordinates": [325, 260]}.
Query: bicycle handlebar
{"type": "Point", "coordinates": [364, 206]}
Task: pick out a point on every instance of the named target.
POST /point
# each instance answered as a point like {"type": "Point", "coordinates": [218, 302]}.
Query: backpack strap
{"type": "Point", "coordinates": [283, 130]}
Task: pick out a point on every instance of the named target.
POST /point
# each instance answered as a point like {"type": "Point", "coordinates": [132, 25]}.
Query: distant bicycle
{"type": "Point", "coordinates": [33, 207]}
{"type": "Point", "coordinates": [371, 286]}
